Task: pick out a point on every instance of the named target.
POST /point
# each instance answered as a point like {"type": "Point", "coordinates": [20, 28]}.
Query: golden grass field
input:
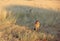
{"type": "Point", "coordinates": [17, 20]}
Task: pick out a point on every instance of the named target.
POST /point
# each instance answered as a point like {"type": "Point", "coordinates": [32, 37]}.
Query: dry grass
{"type": "Point", "coordinates": [11, 31]}
{"type": "Point", "coordinates": [22, 33]}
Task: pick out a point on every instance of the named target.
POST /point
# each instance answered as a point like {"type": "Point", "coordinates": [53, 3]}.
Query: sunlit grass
{"type": "Point", "coordinates": [22, 33]}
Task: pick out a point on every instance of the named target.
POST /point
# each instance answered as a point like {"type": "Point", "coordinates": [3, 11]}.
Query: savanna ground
{"type": "Point", "coordinates": [17, 23]}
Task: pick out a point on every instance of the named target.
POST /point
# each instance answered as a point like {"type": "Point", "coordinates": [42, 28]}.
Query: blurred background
{"type": "Point", "coordinates": [26, 12]}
